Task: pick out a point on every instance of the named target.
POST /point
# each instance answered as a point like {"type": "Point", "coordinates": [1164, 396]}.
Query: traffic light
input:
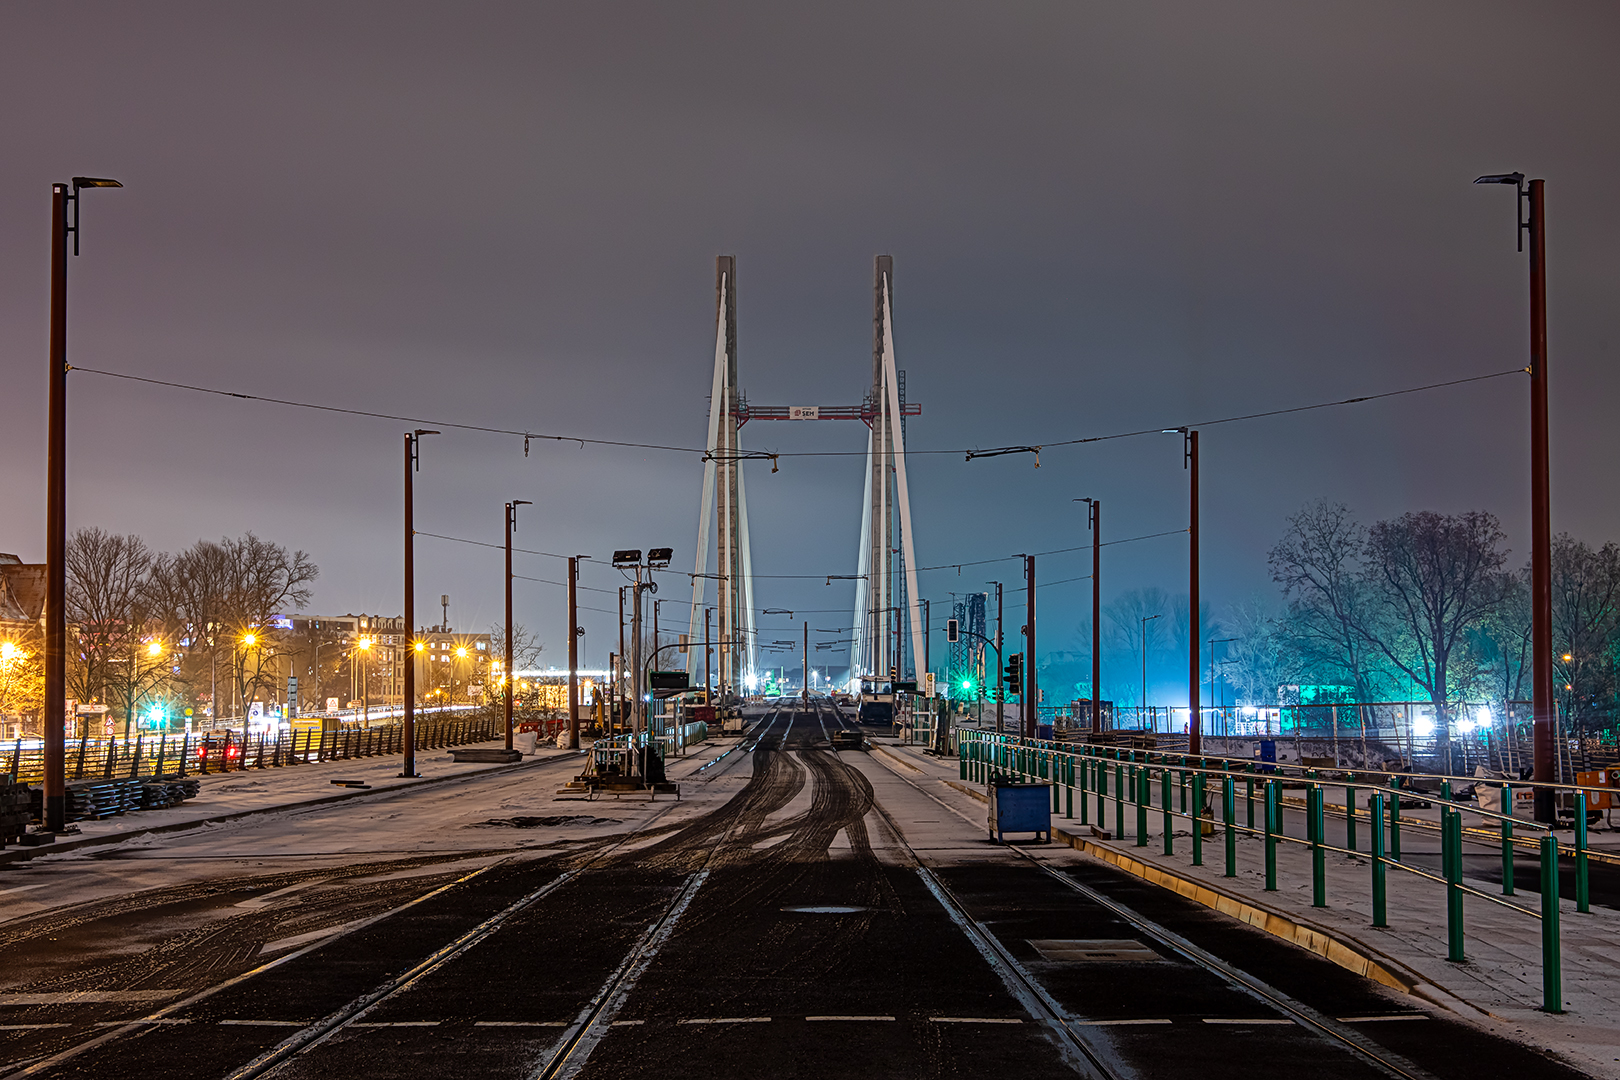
{"type": "Point", "coordinates": [894, 675]}
{"type": "Point", "coordinates": [953, 631]}
{"type": "Point", "coordinates": [1015, 673]}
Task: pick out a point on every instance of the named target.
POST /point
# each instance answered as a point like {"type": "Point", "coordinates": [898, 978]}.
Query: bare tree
{"type": "Point", "coordinates": [221, 600]}
{"type": "Point", "coordinates": [1502, 642]}
{"type": "Point", "coordinates": [1434, 577]}
{"type": "Point", "coordinates": [1131, 636]}
{"type": "Point", "coordinates": [1318, 565]}
{"type": "Point", "coordinates": [1585, 617]}
{"type": "Point", "coordinates": [1257, 662]}
{"type": "Point", "coordinates": [108, 604]}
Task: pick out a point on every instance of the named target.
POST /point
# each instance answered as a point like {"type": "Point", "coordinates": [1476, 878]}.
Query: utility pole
{"type": "Point", "coordinates": [1001, 672]}
{"type": "Point", "coordinates": [1195, 741]}
{"type": "Point", "coordinates": [55, 703]}
{"type": "Point", "coordinates": [922, 676]}
{"type": "Point", "coordinates": [1094, 506]}
{"type": "Point", "coordinates": [708, 657]}
{"type": "Point", "coordinates": [573, 651]}
{"type": "Point", "coordinates": [637, 723]}
{"type": "Point", "coordinates": [805, 695]}
{"type": "Point", "coordinates": [1541, 646]}
{"type": "Point", "coordinates": [1030, 696]}
{"type": "Point", "coordinates": [618, 680]}
{"type": "Point", "coordinates": [412, 465]}
{"type": "Point", "coordinates": [511, 676]}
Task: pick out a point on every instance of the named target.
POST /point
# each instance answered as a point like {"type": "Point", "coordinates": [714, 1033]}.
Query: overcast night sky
{"type": "Point", "coordinates": [1103, 217]}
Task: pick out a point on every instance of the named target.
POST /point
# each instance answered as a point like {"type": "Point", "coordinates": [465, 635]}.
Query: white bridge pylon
{"type": "Point", "coordinates": [886, 562]}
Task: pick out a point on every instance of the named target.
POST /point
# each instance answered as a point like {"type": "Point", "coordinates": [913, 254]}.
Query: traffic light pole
{"type": "Point", "coordinates": [1001, 682]}
{"type": "Point", "coordinates": [573, 652]}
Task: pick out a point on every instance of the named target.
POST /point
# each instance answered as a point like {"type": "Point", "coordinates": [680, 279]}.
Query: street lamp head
{"type": "Point", "coordinates": [250, 639]}
{"type": "Point", "coordinates": [364, 643]}
{"type": "Point", "coordinates": [521, 502]}
{"type": "Point", "coordinates": [154, 648]}
{"type": "Point", "coordinates": [1514, 178]}
{"type": "Point", "coordinates": [627, 557]}
{"type": "Point", "coordinates": [93, 181]}
{"type": "Point", "coordinates": [659, 558]}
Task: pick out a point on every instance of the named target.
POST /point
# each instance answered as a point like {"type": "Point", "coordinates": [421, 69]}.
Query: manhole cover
{"type": "Point", "coordinates": [1093, 950]}
{"type": "Point", "coordinates": [824, 909]}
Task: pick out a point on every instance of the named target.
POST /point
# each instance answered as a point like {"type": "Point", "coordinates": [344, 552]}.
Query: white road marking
{"type": "Point", "coordinates": [1244, 1023]}
{"type": "Point", "coordinates": [261, 901]}
{"type": "Point", "coordinates": [264, 1023]}
{"type": "Point", "coordinates": [30, 1027]}
{"type": "Point", "coordinates": [849, 1018]}
{"type": "Point", "coordinates": [143, 1020]}
{"type": "Point", "coordinates": [1116, 1023]}
{"type": "Point", "coordinates": [87, 997]}
{"type": "Point", "coordinates": [1380, 1019]}
{"type": "Point", "coordinates": [730, 1020]}
{"type": "Point", "coordinates": [974, 1020]}
{"type": "Point", "coordinates": [627, 1023]}
{"type": "Point", "coordinates": [397, 1023]}
{"type": "Point", "coordinates": [520, 1023]}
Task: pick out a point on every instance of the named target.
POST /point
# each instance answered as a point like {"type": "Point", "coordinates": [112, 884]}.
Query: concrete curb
{"type": "Point", "coordinates": [24, 854]}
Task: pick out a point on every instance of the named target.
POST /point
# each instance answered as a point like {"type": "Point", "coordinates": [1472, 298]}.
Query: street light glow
{"type": "Point", "coordinates": [364, 643]}
{"type": "Point", "coordinates": [461, 651]}
{"type": "Point", "coordinates": [154, 648]}
{"type": "Point", "coordinates": [250, 639]}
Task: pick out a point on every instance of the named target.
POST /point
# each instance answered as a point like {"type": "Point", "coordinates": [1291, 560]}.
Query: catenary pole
{"type": "Point", "coordinates": [1030, 694]}
{"type": "Point", "coordinates": [573, 652]}
{"type": "Point", "coordinates": [1195, 744]}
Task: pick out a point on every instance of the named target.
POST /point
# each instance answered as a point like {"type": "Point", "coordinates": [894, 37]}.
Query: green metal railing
{"type": "Point", "coordinates": [1087, 768]}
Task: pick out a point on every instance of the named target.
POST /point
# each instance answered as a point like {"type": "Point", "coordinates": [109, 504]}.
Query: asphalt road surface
{"type": "Point", "coordinates": [800, 912]}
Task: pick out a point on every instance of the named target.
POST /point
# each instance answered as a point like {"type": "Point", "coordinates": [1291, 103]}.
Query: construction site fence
{"type": "Point", "coordinates": [194, 754]}
{"type": "Point", "coordinates": [1208, 792]}
{"type": "Point", "coordinates": [1495, 736]}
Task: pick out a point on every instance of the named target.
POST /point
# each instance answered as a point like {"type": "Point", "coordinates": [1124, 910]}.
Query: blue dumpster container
{"type": "Point", "coordinates": [1020, 808]}
{"type": "Point", "coordinates": [1268, 755]}
{"type": "Point", "coordinates": [1044, 732]}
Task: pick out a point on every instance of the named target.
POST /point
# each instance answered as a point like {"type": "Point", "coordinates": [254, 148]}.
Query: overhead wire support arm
{"type": "Point", "coordinates": [1002, 451]}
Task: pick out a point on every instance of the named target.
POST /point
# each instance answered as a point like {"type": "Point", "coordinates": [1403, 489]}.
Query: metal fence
{"type": "Point", "coordinates": [222, 750]}
{"type": "Point", "coordinates": [1211, 790]}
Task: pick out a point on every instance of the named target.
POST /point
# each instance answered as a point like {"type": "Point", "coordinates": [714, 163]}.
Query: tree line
{"type": "Point", "coordinates": [169, 630]}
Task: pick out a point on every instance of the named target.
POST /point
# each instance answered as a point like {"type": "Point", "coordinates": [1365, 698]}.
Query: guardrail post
{"type": "Point", "coordinates": [1316, 803]}
{"type": "Point", "coordinates": [1164, 805]}
{"type": "Point", "coordinates": [1451, 863]}
{"type": "Point", "coordinates": [1271, 836]}
{"type": "Point", "coordinates": [1068, 790]}
{"type": "Point", "coordinates": [962, 765]}
{"type": "Point", "coordinates": [1507, 839]}
{"type": "Point", "coordinates": [1198, 818]}
{"type": "Point", "coordinates": [1228, 816]}
{"type": "Point", "coordinates": [1583, 893]}
{"type": "Point", "coordinates": [1395, 819]}
{"type": "Point", "coordinates": [1119, 800]}
{"type": "Point", "coordinates": [1144, 797]}
{"type": "Point", "coordinates": [1081, 767]}
{"type": "Point", "coordinates": [1380, 871]}
{"type": "Point", "coordinates": [1350, 813]}
{"type": "Point", "coordinates": [1248, 785]}
{"type": "Point", "coordinates": [1552, 962]}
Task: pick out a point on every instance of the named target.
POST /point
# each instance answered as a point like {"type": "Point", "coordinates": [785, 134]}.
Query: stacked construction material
{"type": "Point", "coordinates": [162, 793]}
{"type": "Point", "coordinates": [92, 800]}
{"type": "Point", "coordinates": [16, 809]}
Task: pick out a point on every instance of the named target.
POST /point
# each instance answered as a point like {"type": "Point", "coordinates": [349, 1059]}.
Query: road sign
{"type": "Point", "coordinates": [669, 680]}
{"type": "Point", "coordinates": [804, 412]}
{"type": "Point", "coordinates": [928, 684]}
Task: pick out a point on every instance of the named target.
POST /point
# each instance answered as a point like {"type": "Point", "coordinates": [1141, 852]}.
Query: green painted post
{"type": "Point", "coordinates": [1350, 813]}
{"type": "Point", "coordinates": [1081, 768]}
{"type": "Point", "coordinates": [1181, 782]}
{"type": "Point", "coordinates": [1164, 804]}
{"type": "Point", "coordinates": [1248, 784]}
{"type": "Point", "coordinates": [1395, 819]}
{"type": "Point", "coordinates": [1228, 816]}
{"type": "Point", "coordinates": [1054, 785]}
{"type": "Point", "coordinates": [1271, 836]}
{"type": "Point", "coordinates": [1583, 893]}
{"type": "Point", "coordinates": [1119, 801]}
{"type": "Point", "coordinates": [1144, 797]}
{"type": "Point", "coordinates": [962, 763]}
{"type": "Point", "coordinates": [1552, 961]}
{"type": "Point", "coordinates": [1316, 801]}
{"type": "Point", "coordinates": [1380, 871]}
{"type": "Point", "coordinates": [1451, 862]}
{"type": "Point", "coordinates": [1198, 819]}
{"type": "Point", "coordinates": [1507, 839]}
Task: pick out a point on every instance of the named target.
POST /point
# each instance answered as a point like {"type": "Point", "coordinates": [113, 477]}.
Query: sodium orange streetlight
{"type": "Point", "coordinates": [364, 643]}
{"type": "Point", "coordinates": [154, 648]}
{"type": "Point", "coordinates": [9, 652]}
{"type": "Point", "coordinates": [250, 640]}
{"type": "Point", "coordinates": [461, 651]}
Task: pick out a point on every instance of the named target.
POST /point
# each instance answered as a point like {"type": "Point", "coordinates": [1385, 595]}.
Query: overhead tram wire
{"type": "Point", "coordinates": [969, 452]}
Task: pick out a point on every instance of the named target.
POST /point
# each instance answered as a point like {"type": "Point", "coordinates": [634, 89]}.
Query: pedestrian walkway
{"type": "Point", "coordinates": [1498, 985]}
{"type": "Point", "coordinates": [224, 796]}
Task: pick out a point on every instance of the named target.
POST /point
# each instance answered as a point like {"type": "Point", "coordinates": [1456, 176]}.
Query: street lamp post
{"type": "Point", "coordinates": [1145, 620]}
{"type": "Point", "coordinates": [510, 678]}
{"type": "Point", "coordinates": [55, 703]}
{"type": "Point", "coordinates": [574, 632]}
{"type": "Point", "coordinates": [1212, 643]}
{"type": "Point", "coordinates": [412, 464]}
{"type": "Point", "coordinates": [1541, 677]}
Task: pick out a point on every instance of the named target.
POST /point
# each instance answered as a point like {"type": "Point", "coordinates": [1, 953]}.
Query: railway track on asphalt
{"type": "Point", "coordinates": [1320, 1026]}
